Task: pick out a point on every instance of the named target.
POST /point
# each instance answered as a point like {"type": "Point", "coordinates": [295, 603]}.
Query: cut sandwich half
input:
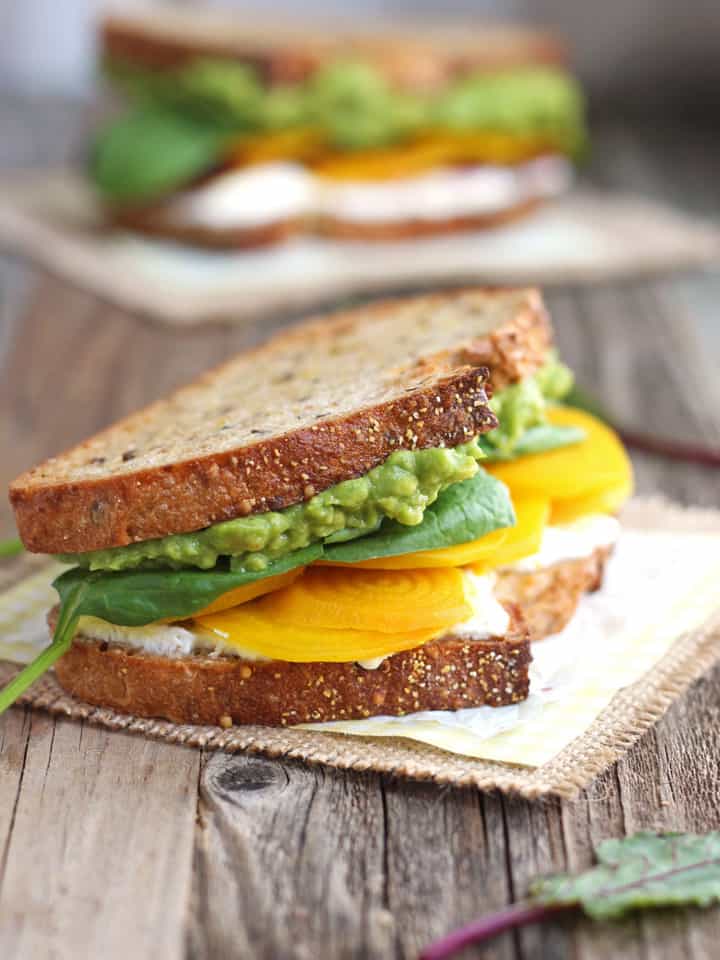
{"type": "Point", "coordinates": [237, 136]}
{"type": "Point", "coordinates": [373, 513]}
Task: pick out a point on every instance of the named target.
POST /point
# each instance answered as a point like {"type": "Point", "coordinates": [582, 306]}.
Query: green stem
{"type": "Point", "coordinates": [19, 683]}
{"type": "Point", "coordinates": [10, 548]}
{"type": "Point", "coordinates": [62, 639]}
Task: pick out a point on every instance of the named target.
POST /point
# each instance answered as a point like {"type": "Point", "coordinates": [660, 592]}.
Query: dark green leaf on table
{"type": "Point", "coordinates": [644, 870]}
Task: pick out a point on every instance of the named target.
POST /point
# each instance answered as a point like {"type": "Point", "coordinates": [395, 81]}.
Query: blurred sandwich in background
{"type": "Point", "coordinates": [239, 135]}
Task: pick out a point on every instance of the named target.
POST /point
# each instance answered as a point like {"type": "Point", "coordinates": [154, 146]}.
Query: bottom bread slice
{"type": "Point", "coordinates": [445, 674]}
{"type": "Point", "coordinates": [154, 221]}
{"type": "Point", "coordinates": [548, 598]}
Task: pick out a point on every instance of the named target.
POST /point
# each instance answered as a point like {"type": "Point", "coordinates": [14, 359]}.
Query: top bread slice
{"type": "Point", "coordinates": [422, 57]}
{"type": "Point", "coordinates": [317, 404]}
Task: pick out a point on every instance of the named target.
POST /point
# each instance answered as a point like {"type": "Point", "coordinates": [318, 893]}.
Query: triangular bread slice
{"type": "Point", "coordinates": [317, 404]}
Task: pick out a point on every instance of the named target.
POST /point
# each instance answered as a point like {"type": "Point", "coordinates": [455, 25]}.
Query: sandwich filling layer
{"type": "Point", "coordinates": [281, 192]}
{"type": "Point", "coordinates": [187, 123]}
{"type": "Point", "coordinates": [489, 619]}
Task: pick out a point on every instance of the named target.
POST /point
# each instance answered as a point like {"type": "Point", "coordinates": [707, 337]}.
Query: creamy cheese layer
{"type": "Point", "coordinates": [271, 193]}
{"type": "Point", "coordinates": [571, 541]}
{"type": "Point", "coordinates": [445, 194]}
{"type": "Point", "coordinates": [250, 197]}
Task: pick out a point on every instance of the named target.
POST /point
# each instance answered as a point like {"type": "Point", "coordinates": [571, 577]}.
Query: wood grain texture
{"type": "Point", "coordinates": [151, 851]}
{"type": "Point", "coordinates": [98, 850]}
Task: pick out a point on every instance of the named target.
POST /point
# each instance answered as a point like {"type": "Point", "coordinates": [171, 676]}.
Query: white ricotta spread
{"type": "Point", "coordinates": [490, 618]}
{"type": "Point", "coordinates": [161, 639]}
{"type": "Point", "coordinates": [571, 541]}
{"type": "Point", "coordinates": [250, 197]}
{"type": "Point", "coordinates": [372, 663]}
{"type": "Point", "coordinates": [272, 193]}
{"type": "Point", "coordinates": [444, 194]}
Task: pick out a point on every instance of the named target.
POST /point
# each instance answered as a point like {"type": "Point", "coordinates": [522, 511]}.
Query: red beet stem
{"type": "Point", "coordinates": [517, 915]}
{"type": "Point", "coordinates": [674, 449]}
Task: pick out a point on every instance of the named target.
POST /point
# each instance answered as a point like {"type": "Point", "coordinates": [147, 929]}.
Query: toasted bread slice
{"type": "Point", "coordinates": [154, 221]}
{"type": "Point", "coordinates": [445, 674]}
{"type": "Point", "coordinates": [288, 51]}
{"type": "Point", "coordinates": [548, 598]}
{"type": "Point", "coordinates": [316, 405]}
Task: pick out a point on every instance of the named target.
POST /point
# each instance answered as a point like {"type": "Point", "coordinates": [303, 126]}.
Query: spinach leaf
{"type": "Point", "coordinates": [537, 439]}
{"type": "Point", "coordinates": [152, 152]}
{"type": "Point", "coordinates": [463, 512]}
{"type": "Point", "coordinates": [133, 598]}
{"type": "Point", "coordinates": [70, 612]}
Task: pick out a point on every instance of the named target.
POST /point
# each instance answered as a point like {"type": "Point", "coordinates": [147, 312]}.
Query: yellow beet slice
{"type": "Point", "coordinates": [603, 501]}
{"type": "Point", "coordinates": [397, 601]}
{"type": "Point", "coordinates": [433, 149]}
{"type": "Point", "coordinates": [523, 539]}
{"type": "Point", "coordinates": [460, 555]}
{"type": "Point", "coordinates": [598, 463]}
{"type": "Point", "coordinates": [295, 144]}
{"type": "Point", "coordinates": [249, 591]}
{"type": "Point", "coordinates": [249, 627]}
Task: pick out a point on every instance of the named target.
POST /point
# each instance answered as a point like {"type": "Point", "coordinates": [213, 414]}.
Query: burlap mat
{"type": "Point", "coordinates": [631, 712]}
{"type": "Point", "coordinates": [587, 236]}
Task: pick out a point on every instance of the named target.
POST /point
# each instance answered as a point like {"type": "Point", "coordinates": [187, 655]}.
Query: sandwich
{"type": "Point", "coordinates": [239, 136]}
{"type": "Point", "coordinates": [373, 513]}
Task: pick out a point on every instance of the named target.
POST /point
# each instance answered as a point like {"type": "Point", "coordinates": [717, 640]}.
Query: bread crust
{"type": "Point", "coordinates": [154, 221]}
{"type": "Point", "coordinates": [122, 506]}
{"type": "Point", "coordinates": [408, 229]}
{"type": "Point", "coordinates": [445, 674]}
{"type": "Point", "coordinates": [412, 60]}
{"type": "Point", "coordinates": [548, 598]}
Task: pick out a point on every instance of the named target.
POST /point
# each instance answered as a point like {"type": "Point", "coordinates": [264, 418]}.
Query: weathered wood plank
{"type": "Point", "coordinates": [98, 844]}
{"type": "Point", "coordinates": [288, 863]}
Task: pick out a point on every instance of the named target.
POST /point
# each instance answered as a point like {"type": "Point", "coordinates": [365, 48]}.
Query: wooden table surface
{"type": "Point", "coordinates": [116, 847]}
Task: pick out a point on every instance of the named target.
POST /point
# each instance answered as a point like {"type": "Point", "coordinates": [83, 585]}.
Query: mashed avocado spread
{"type": "Point", "coordinates": [399, 489]}
{"type": "Point", "coordinates": [522, 406]}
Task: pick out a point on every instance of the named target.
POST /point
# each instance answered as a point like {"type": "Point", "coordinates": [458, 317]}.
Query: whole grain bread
{"type": "Point", "coordinates": [390, 230]}
{"type": "Point", "coordinates": [445, 674]}
{"type": "Point", "coordinates": [323, 402]}
{"type": "Point", "coordinates": [424, 57]}
{"type": "Point", "coordinates": [154, 221]}
{"type": "Point", "coordinates": [548, 598]}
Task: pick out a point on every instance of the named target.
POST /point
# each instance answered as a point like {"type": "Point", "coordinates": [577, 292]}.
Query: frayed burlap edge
{"type": "Point", "coordinates": [631, 712]}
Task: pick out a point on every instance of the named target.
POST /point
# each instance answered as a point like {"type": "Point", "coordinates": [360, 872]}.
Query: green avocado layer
{"type": "Point", "coordinates": [400, 490]}
{"type": "Point", "coordinates": [350, 104]}
{"type": "Point", "coordinates": [523, 405]}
